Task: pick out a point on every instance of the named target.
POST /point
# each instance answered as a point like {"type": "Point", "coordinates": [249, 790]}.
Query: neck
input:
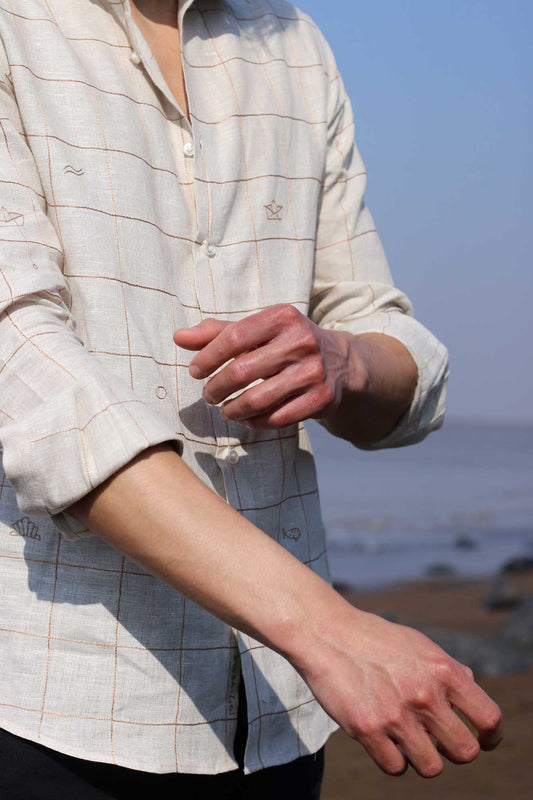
{"type": "Point", "coordinates": [162, 12]}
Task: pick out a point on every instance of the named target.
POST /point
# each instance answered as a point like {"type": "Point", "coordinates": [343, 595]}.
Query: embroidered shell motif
{"type": "Point", "coordinates": [25, 527]}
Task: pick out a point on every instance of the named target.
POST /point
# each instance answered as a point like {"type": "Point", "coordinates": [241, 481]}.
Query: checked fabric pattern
{"type": "Point", "coordinates": [121, 221]}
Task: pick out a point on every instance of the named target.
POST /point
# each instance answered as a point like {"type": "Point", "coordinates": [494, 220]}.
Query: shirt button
{"type": "Point", "coordinates": [188, 149]}
{"type": "Point", "coordinates": [135, 58]}
{"type": "Point", "coordinates": [211, 250]}
{"type": "Point", "coordinates": [232, 457]}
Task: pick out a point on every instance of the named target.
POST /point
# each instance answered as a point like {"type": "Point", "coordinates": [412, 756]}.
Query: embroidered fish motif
{"type": "Point", "coordinates": [25, 527]}
{"type": "Point", "coordinates": [273, 211]}
{"type": "Point", "coordinates": [70, 170]}
{"type": "Point", "coordinates": [11, 217]}
{"type": "Point", "coordinates": [293, 533]}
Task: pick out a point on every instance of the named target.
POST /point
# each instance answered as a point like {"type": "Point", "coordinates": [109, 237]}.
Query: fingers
{"type": "Point", "coordinates": [293, 410]}
{"type": "Point", "coordinates": [304, 380]}
{"type": "Point", "coordinates": [455, 741]}
{"type": "Point", "coordinates": [385, 753]}
{"type": "Point", "coordinates": [481, 710]}
{"type": "Point", "coordinates": [263, 362]}
{"type": "Point", "coordinates": [244, 335]}
{"type": "Point", "coordinates": [420, 751]}
{"type": "Point", "coordinates": [267, 396]}
{"type": "Point", "coordinates": [198, 336]}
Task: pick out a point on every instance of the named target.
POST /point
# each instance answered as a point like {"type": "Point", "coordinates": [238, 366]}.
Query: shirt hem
{"type": "Point", "coordinates": [76, 752]}
{"type": "Point", "coordinates": [265, 762]}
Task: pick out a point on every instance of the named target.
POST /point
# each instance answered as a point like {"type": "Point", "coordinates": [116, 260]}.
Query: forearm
{"type": "Point", "coordinates": [375, 678]}
{"type": "Point", "coordinates": [379, 386]}
{"type": "Point", "coordinates": [157, 512]}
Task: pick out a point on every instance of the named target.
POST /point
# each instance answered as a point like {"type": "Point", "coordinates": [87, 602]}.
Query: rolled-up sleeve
{"type": "Point", "coordinates": [66, 423]}
{"type": "Point", "coordinates": [353, 288]}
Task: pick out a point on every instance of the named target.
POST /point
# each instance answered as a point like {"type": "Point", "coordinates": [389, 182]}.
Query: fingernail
{"type": "Point", "coordinates": [195, 370]}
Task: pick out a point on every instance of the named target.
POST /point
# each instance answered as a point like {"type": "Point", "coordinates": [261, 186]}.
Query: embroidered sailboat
{"type": "Point", "coordinates": [10, 217]}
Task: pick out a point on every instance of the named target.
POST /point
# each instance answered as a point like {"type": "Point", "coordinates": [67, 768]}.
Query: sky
{"type": "Point", "coordinates": [442, 97]}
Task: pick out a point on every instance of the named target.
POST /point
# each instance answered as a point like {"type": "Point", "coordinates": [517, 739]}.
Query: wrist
{"type": "Point", "coordinates": [352, 373]}
{"type": "Point", "coordinates": [379, 383]}
{"type": "Point", "coordinates": [317, 628]}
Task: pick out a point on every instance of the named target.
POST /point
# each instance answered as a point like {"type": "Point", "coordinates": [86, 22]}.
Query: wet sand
{"type": "Point", "coordinates": [502, 774]}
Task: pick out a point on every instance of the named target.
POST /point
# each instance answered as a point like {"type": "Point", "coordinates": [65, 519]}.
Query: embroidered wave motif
{"type": "Point", "coordinates": [70, 170]}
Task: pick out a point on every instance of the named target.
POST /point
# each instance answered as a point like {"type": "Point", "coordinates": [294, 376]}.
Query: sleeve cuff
{"type": "Point", "coordinates": [71, 443]}
{"type": "Point", "coordinates": [427, 409]}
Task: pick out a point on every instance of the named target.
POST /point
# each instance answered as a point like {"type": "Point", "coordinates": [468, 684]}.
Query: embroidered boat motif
{"type": "Point", "coordinates": [10, 217]}
{"type": "Point", "coordinates": [273, 211]}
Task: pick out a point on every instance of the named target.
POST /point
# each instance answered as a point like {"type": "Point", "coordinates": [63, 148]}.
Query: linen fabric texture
{"type": "Point", "coordinates": [120, 221]}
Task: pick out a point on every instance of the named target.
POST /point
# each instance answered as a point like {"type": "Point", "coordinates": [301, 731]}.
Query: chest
{"type": "Point", "coordinates": [164, 41]}
{"type": "Point", "coordinates": [244, 175]}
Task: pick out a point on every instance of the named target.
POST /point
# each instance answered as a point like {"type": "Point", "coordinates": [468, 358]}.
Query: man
{"type": "Point", "coordinates": [189, 272]}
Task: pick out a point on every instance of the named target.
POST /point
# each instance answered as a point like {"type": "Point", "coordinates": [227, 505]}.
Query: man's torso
{"type": "Point", "coordinates": [162, 220]}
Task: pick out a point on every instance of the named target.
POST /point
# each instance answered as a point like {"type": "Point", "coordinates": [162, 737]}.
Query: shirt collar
{"type": "Point", "coordinates": [122, 10]}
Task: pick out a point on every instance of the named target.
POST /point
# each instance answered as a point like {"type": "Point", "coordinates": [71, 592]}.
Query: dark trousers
{"type": "Point", "coordinates": [30, 771]}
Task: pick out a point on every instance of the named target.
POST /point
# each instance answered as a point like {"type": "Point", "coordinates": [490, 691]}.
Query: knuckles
{"type": "Point", "coordinates": [445, 671]}
{"type": "Point", "coordinates": [285, 313]}
{"type": "Point", "coordinates": [422, 698]}
{"type": "Point", "coordinates": [238, 371]}
{"type": "Point", "coordinates": [307, 342]}
{"type": "Point", "coordinates": [235, 336]}
{"type": "Point", "coordinates": [468, 752]}
{"type": "Point", "coordinates": [253, 404]}
{"type": "Point", "coordinates": [493, 719]}
{"type": "Point", "coordinates": [316, 371]}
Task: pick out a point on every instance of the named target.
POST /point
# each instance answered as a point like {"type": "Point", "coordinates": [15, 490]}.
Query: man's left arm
{"type": "Point", "coordinates": [395, 389]}
{"type": "Point", "coordinates": [359, 362]}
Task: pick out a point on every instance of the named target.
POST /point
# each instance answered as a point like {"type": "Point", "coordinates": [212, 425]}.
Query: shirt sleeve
{"type": "Point", "coordinates": [66, 423]}
{"type": "Point", "coordinates": [353, 288]}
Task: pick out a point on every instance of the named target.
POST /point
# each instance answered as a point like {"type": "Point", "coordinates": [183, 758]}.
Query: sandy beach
{"type": "Point", "coordinates": [457, 605]}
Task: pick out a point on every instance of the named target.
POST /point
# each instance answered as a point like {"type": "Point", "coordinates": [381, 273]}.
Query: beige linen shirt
{"type": "Point", "coordinates": [120, 222]}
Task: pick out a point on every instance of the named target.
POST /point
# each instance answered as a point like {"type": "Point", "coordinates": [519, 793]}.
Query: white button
{"type": "Point", "coordinates": [211, 250]}
{"type": "Point", "coordinates": [188, 149]}
{"type": "Point", "coordinates": [135, 58]}
{"type": "Point", "coordinates": [232, 457]}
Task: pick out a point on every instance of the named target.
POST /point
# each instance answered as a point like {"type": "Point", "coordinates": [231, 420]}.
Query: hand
{"type": "Point", "coordinates": [304, 367]}
{"type": "Point", "coordinates": [392, 689]}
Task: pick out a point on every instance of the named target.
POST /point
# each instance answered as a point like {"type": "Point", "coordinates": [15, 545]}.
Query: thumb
{"type": "Point", "coordinates": [199, 335]}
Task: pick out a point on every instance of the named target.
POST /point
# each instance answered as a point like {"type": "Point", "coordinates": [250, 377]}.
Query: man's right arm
{"type": "Point", "coordinates": [387, 685]}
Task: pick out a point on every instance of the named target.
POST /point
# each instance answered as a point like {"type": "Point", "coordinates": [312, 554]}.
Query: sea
{"type": "Point", "coordinates": [459, 503]}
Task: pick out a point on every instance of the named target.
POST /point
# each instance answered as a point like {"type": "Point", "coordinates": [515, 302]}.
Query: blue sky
{"type": "Point", "coordinates": [442, 97]}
